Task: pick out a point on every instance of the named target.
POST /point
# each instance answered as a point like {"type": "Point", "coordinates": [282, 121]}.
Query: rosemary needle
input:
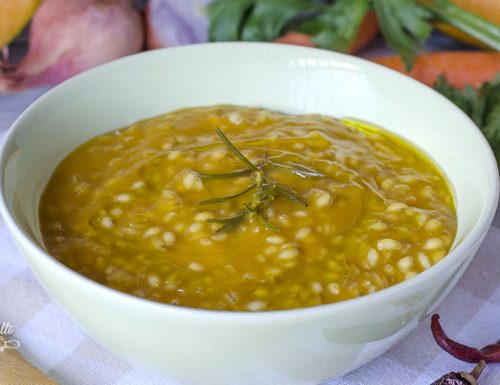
{"type": "Point", "coordinates": [225, 176]}
{"type": "Point", "coordinates": [231, 222]}
{"type": "Point", "coordinates": [223, 199]}
{"type": "Point", "coordinates": [234, 150]}
{"type": "Point", "coordinates": [290, 195]}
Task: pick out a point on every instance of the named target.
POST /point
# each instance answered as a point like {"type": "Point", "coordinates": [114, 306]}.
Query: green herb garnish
{"type": "Point", "coordinates": [337, 25]}
{"type": "Point", "coordinates": [265, 189]}
{"type": "Point", "coordinates": [482, 106]}
{"type": "Point", "coordinates": [405, 24]}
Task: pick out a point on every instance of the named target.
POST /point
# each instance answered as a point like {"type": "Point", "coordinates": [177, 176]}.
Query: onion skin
{"type": "Point", "coordinates": [171, 23]}
{"type": "Point", "coordinates": [70, 36]}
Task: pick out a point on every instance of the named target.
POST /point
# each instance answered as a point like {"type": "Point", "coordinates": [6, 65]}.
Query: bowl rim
{"type": "Point", "coordinates": [469, 240]}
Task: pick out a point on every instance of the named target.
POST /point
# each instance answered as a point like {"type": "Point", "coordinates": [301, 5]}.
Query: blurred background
{"type": "Point", "coordinates": [451, 45]}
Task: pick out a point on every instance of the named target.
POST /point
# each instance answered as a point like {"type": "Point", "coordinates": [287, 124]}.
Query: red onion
{"type": "Point", "coordinates": [176, 22]}
{"type": "Point", "coordinates": [71, 36]}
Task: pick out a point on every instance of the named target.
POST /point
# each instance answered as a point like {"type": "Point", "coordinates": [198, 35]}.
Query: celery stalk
{"type": "Point", "coordinates": [484, 31]}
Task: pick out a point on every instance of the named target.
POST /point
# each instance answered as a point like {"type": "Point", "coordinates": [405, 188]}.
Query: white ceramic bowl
{"type": "Point", "coordinates": [302, 346]}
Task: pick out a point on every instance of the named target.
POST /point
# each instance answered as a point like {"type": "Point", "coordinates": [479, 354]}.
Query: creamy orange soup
{"type": "Point", "coordinates": [333, 210]}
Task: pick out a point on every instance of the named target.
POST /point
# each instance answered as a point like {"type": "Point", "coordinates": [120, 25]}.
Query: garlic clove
{"type": "Point", "coordinates": [172, 22]}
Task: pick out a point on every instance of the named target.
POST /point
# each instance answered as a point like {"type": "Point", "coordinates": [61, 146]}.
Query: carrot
{"type": "Point", "coordinates": [367, 31]}
{"type": "Point", "coordinates": [295, 38]}
{"type": "Point", "coordinates": [459, 67]}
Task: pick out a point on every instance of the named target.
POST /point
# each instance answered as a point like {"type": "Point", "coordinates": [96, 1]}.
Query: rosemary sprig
{"type": "Point", "coordinates": [266, 189]}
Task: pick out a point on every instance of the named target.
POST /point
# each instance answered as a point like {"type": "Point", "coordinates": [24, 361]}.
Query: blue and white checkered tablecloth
{"type": "Point", "coordinates": [57, 345]}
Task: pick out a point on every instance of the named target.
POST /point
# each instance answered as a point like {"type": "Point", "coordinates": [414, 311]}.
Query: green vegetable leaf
{"type": "Point", "coordinates": [269, 17]}
{"type": "Point", "coordinates": [491, 129]}
{"type": "Point", "coordinates": [467, 99]}
{"type": "Point", "coordinates": [227, 19]}
{"type": "Point", "coordinates": [253, 20]}
{"type": "Point", "coordinates": [483, 107]}
{"type": "Point", "coordinates": [486, 32]}
{"type": "Point", "coordinates": [405, 26]}
{"type": "Point", "coordinates": [337, 26]}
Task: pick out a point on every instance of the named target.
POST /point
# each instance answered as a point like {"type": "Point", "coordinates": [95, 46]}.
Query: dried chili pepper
{"type": "Point", "coordinates": [489, 354]}
{"type": "Point", "coordinates": [462, 378]}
